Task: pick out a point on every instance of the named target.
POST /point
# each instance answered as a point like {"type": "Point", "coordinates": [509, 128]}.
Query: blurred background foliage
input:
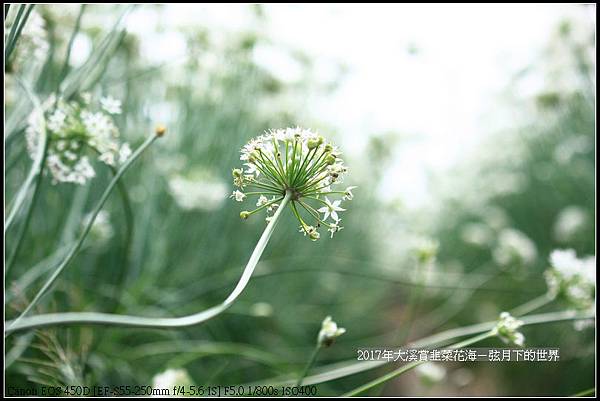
{"type": "Point", "coordinates": [394, 274]}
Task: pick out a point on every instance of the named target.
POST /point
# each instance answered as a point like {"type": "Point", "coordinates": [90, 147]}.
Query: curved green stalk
{"type": "Point", "coordinates": [532, 305]}
{"type": "Point", "coordinates": [15, 31]}
{"type": "Point", "coordinates": [38, 163]}
{"type": "Point", "coordinates": [87, 229]}
{"type": "Point", "coordinates": [309, 364]}
{"type": "Point", "coordinates": [55, 319]}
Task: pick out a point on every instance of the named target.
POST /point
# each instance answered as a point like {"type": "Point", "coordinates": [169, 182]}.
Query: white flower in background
{"type": "Point", "coordinates": [571, 278]}
{"type": "Point", "coordinates": [431, 373]}
{"type": "Point", "coordinates": [299, 162]}
{"type": "Point", "coordinates": [331, 209]}
{"type": "Point", "coordinates": [514, 248]}
{"type": "Point", "coordinates": [329, 332]}
{"type": "Point", "coordinates": [572, 146]}
{"type": "Point", "coordinates": [198, 190]}
{"type": "Point", "coordinates": [32, 45]}
{"type": "Point", "coordinates": [425, 249]}
{"type": "Point", "coordinates": [101, 230]}
{"type": "Point", "coordinates": [569, 222]}
{"type": "Point", "coordinates": [261, 309]}
{"type": "Point", "coordinates": [111, 105]}
{"type": "Point", "coordinates": [75, 134]}
{"type": "Point", "coordinates": [507, 330]}
{"type": "Point", "coordinates": [171, 378]}
{"type": "Point", "coordinates": [477, 234]}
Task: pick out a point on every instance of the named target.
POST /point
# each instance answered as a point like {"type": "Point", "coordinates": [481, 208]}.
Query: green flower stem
{"type": "Point", "coordinates": [532, 305]}
{"type": "Point", "coordinates": [36, 173]}
{"type": "Point", "coordinates": [318, 165]}
{"type": "Point", "coordinates": [271, 167]}
{"type": "Point", "coordinates": [79, 318]}
{"type": "Point", "coordinates": [264, 186]}
{"type": "Point", "coordinates": [310, 184]}
{"type": "Point", "coordinates": [261, 207]}
{"type": "Point", "coordinates": [262, 193]}
{"type": "Point", "coordinates": [315, 167]}
{"type": "Point", "coordinates": [87, 229]}
{"type": "Point", "coordinates": [405, 368]}
{"type": "Point", "coordinates": [302, 170]}
{"type": "Point", "coordinates": [15, 32]}
{"type": "Point", "coordinates": [278, 160]}
{"type": "Point", "coordinates": [265, 170]}
{"type": "Point", "coordinates": [313, 213]}
{"type": "Point", "coordinates": [297, 214]}
{"type": "Point", "coordinates": [309, 364]}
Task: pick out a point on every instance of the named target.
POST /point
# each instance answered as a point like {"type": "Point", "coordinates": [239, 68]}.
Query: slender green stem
{"type": "Point", "coordinates": [261, 207]}
{"type": "Point", "coordinates": [309, 364]}
{"type": "Point", "coordinates": [585, 393]}
{"type": "Point", "coordinates": [87, 229]}
{"type": "Point", "coordinates": [36, 190]}
{"type": "Point", "coordinates": [38, 163]}
{"type": "Point", "coordinates": [16, 29]}
{"type": "Point", "coordinates": [313, 213]}
{"type": "Point", "coordinates": [532, 305]}
{"type": "Point", "coordinates": [405, 368]}
{"type": "Point", "coordinates": [302, 170]}
{"type": "Point", "coordinates": [79, 318]}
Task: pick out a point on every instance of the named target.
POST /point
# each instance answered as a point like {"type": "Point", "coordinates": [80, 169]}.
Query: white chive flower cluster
{"type": "Point", "coordinates": [571, 278]}
{"type": "Point", "coordinates": [507, 330]}
{"type": "Point", "coordinates": [300, 162]}
{"type": "Point", "coordinates": [329, 332]}
{"type": "Point", "coordinates": [77, 131]}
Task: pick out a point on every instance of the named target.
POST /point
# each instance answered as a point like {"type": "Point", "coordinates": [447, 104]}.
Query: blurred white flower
{"type": "Point", "coordinates": [425, 249]}
{"type": "Point", "coordinates": [430, 372]}
{"type": "Point", "coordinates": [329, 332]}
{"type": "Point", "coordinates": [507, 330]}
{"type": "Point", "coordinates": [570, 221]}
{"type": "Point", "coordinates": [572, 146]}
{"type": "Point", "coordinates": [200, 190]}
{"type": "Point", "coordinates": [514, 248]}
{"type": "Point", "coordinates": [171, 378]}
{"type": "Point", "coordinates": [261, 309]}
{"type": "Point", "coordinates": [477, 234]}
{"type": "Point", "coordinates": [33, 43]}
{"type": "Point", "coordinates": [111, 105]}
{"type": "Point", "coordinates": [571, 278]}
{"type": "Point", "coordinates": [101, 230]}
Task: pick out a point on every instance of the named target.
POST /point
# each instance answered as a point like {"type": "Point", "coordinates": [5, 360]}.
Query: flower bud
{"type": "Point", "coordinates": [330, 159]}
{"type": "Point", "coordinates": [312, 143]}
{"type": "Point", "coordinates": [244, 215]}
{"type": "Point", "coordinates": [237, 172]}
{"type": "Point", "coordinates": [160, 130]}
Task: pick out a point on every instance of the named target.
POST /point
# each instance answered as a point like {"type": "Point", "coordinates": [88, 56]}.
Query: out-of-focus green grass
{"type": "Point", "coordinates": [182, 261]}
